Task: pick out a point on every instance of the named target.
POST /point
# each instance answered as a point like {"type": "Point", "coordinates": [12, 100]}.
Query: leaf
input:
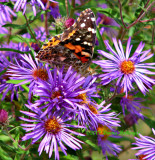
{"type": "Point", "coordinates": [1, 73]}
{"type": "Point", "coordinates": [13, 50]}
{"type": "Point", "coordinates": [99, 37]}
{"type": "Point", "coordinates": [69, 157]}
{"type": "Point", "coordinates": [17, 39]}
{"type": "Point", "coordinates": [7, 147]}
{"type": "Point", "coordinates": [12, 81]}
{"type": "Point", "coordinates": [96, 147]}
{"type": "Point", "coordinates": [149, 122]}
{"type": "Point", "coordinates": [25, 87]}
{"type": "Point", "coordinates": [4, 155]}
{"type": "Point", "coordinates": [15, 26]}
{"type": "Point", "coordinates": [24, 40]}
{"type": "Point", "coordinates": [32, 18]}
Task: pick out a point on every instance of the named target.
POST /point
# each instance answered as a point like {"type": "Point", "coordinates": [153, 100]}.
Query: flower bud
{"type": "Point", "coordinates": [3, 116]}
{"type": "Point", "coordinates": [130, 119]}
{"type": "Point", "coordinates": [69, 22]}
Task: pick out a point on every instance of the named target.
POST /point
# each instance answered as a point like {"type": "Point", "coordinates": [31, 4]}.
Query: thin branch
{"type": "Point", "coordinates": [142, 11]}
{"type": "Point", "coordinates": [120, 7]}
{"type": "Point", "coordinates": [113, 96]}
{"type": "Point", "coordinates": [83, 4]}
{"type": "Point", "coordinates": [46, 24]}
{"type": "Point", "coordinates": [147, 20]}
{"type": "Point", "coordinates": [27, 23]}
{"type": "Point", "coordinates": [66, 3]}
{"type": "Point", "coordinates": [25, 149]}
{"type": "Point", "coordinates": [153, 32]}
{"type": "Point", "coordinates": [72, 8]}
{"type": "Point", "coordinates": [138, 19]}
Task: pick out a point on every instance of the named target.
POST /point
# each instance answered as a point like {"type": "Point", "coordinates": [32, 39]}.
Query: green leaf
{"type": "Point", "coordinates": [149, 122]}
{"type": "Point", "coordinates": [92, 144]}
{"type": "Point", "coordinates": [15, 26]}
{"type": "Point", "coordinates": [1, 73]}
{"type": "Point", "coordinates": [12, 81]}
{"type": "Point", "coordinates": [7, 147]}
{"type": "Point", "coordinates": [25, 87]}
{"type": "Point", "coordinates": [32, 18]}
{"type": "Point", "coordinates": [70, 157]}
{"type": "Point", "coordinates": [25, 40]}
{"type": "Point", "coordinates": [13, 50]}
{"type": "Point", "coordinates": [99, 37]}
{"type": "Point", "coordinates": [4, 155]}
{"type": "Point", "coordinates": [17, 39]}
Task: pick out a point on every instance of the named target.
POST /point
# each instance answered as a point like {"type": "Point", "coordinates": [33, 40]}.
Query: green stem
{"type": "Point", "coordinates": [27, 23]}
{"type": "Point", "coordinates": [72, 9]}
{"type": "Point", "coordinates": [9, 135]}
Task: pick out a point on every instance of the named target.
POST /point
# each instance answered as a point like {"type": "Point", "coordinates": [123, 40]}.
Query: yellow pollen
{"type": "Point", "coordinates": [103, 130]}
{"type": "Point", "coordinates": [83, 97]}
{"type": "Point", "coordinates": [52, 125]}
{"type": "Point", "coordinates": [127, 67]}
{"type": "Point", "coordinates": [93, 109]}
{"type": "Point", "coordinates": [40, 73]}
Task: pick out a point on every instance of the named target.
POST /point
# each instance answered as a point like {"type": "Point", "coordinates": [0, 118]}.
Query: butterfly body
{"type": "Point", "coordinates": [74, 47]}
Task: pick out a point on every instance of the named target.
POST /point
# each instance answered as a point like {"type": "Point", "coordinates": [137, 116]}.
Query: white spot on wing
{"type": "Point", "coordinates": [83, 25]}
{"type": "Point", "coordinates": [77, 39]}
{"type": "Point", "coordinates": [93, 19]}
{"type": "Point", "coordinates": [93, 31]}
{"type": "Point", "coordinates": [89, 29]}
{"type": "Point", "coordinates": [85, 42]}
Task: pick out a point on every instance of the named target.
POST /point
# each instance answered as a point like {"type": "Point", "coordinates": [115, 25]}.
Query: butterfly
{"type": "Point", "coordinates": [74, 47]}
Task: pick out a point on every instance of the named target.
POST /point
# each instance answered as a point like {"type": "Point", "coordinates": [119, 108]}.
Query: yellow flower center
{"type": "Point", "coordinates": [103, 130]}
{"type": "Point", "coordinates": [52, 125]}
{"type": "Point", "coordinates": [127, 67]}
{"type": "Point", "coordinates": [40, 73]}
{"type": "Point", "coordinates": [93, 109]}
{"type": "Point", "coordinates": [83, 97]}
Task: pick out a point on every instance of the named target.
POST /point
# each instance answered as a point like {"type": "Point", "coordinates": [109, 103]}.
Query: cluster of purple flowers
{"type": "Point", "coordinates": [63, 102]}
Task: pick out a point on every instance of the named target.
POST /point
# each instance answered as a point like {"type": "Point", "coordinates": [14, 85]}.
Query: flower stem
{"type": "Point", "coordinates": [72, 8]}
{"type": "Point", "coordinates": [27, 23]}
{"type": "Point", "coordinates": [66, 3]}
{"type": "Point", "coordinates": [9, 135]}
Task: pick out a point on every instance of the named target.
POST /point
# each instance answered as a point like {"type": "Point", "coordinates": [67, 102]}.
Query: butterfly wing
{"type": "Point", "coordinates": [74, 46]}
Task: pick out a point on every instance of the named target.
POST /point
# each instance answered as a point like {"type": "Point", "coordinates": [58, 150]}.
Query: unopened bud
{"type": "Point", "coordinates": [3, 116]}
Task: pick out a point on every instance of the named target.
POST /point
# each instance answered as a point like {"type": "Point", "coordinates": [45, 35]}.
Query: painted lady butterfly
{"type": "Point", "coordinates": [74, 47]}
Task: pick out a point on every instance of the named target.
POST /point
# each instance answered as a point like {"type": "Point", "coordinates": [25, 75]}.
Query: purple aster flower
{"type": "Point", "coordinates": [132, 104]}
{"type": "Point", "coordinates": [70, 92]}
{"type": "Point", "coordinates": [28, 70]}
{"type": "Point", "coordinates": [52, 130]}
{"type": "Point", "coordinates": [21, 5]}
{"type": "Point", "coordinates": [60, 91]}
{"type": "Point", "coordinates": [6, 87]}
{"type": "Point", "coordinates": [95, 114]}
{"type": "Point", "coordinates": [128, 69]}
{"type": "Point", "coordinates": [107, 146]}
{"type": "Point", "coordinates": [54, 9]}
{"type": "Point", "coordinates": [3, 30]}
{"type": "Point", "coordinates": [146, 147]}
{"type": "Point", "coordinates": [103, 19]}
{"type": "Point", "coordinates": [6, 14]}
